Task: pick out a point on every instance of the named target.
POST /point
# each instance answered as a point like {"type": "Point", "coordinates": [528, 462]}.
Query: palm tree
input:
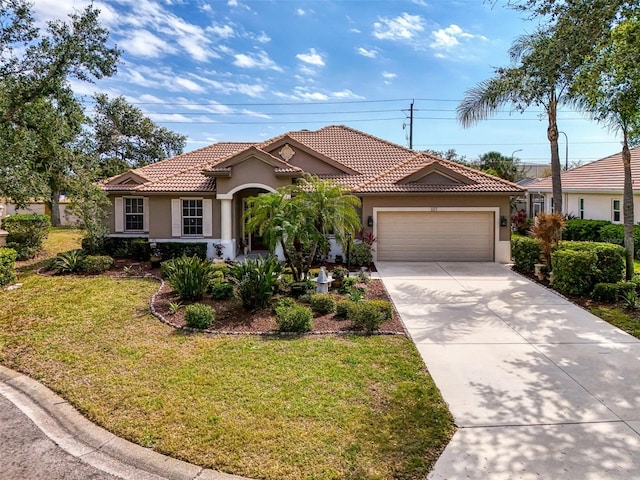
{"type": "Point", "coordinates": [300, 217]}
{"type": "Point", "coordinates": [537, 78]}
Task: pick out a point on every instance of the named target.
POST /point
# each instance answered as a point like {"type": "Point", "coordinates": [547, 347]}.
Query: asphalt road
{"type": "Point", "coordinates": [28, 454]}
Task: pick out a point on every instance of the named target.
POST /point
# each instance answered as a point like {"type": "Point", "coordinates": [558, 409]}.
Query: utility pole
{"type": "Point", "coordinates": [411, 125]}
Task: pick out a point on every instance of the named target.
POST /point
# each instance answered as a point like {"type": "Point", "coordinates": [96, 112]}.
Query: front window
{"type": "Point", "coordinates": [581, 207]}
{"type": "Point", "coordinates": [192, 217]}
{"type": "Point", "coordinates": [537, 204]}
{"type": "Point", "coordinates": [615, 214]}
{"type": "Point", "coordinates": [133, 214]}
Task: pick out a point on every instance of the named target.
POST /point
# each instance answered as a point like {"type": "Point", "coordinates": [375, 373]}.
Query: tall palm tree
{"type": "Point", "coordinates": [536, 78]}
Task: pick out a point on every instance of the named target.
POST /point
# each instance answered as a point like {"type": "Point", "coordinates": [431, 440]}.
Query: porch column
{"type": "Point", "coordinates": [225, 216]}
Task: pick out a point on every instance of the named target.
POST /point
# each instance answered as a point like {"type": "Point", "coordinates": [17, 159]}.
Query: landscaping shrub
{"type": "Point", "coordinates": [294, 319]}
{"type": "Point", "coordinates": [520, 222]}
{"type": "Point", "coordinates": [366, 315]}
{"type": "Point", "coordinates": [199, 315]}
{"type": "Point", "coordinates": [171, 250]}
{"type": "Point", "coordinates": [97, 263]}
{"type": "Point", "coordinates": [221, 290]}
{"type": "Point", "coordinates": [347, 284]}
{"type": "Point", "coordinates": [256, 281]}
{"type": "Point", "coordinates": [605, 292]}
{"type": "Point", "coordinates": [69, 262]}
{"type": "Point", "coordinates": [385, 308]}
{"type": "Point", "coordinates": [614, 233]}
{"type": "Point", "coordinates": [27, 232]}
{"type": "Point", "coordinates": [610, 261]}
{"type": "Point", "coordinates": [547, 229]}
{"type": "Point", "coordinates": [221, 269]}
{"type": "Point", "coordinates": [299, 289]}
{"type": "Point", "coordinates": [188, 276]}
{"type": "Point", "coordinates": [361, 254]}
{"type": "Point", "coordinates": [342, 308]}
{"type": "Point", "coordinates": [584, 230]}
{"type": "Point", "coordinates": [284, 302]}
{"type": "Point", "coordinates": [573, 271]}
{"type": "Point", "coordinates": [339, 273]}
{"type": "Point", "coordinates": [323, 303]}
{"type": "Point", "coordinates": [139, 249]}
{"type": "Point", "coordinates": [526, 253]}
{"type": "Point", "coordinates": [7, 266]}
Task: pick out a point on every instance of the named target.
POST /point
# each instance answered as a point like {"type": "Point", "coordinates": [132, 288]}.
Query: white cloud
{"type": "Point", "coordinates": [143, 43]}
{"type": "Point", "coordinates": [262, 37]}
{"type": "Point", "coordinates": [251, 113]}
{"type": "Point", "coordinates": [300, 12]}
{"type": "Point", "coordinates": [373, 53]}
{"type": "Point", "coordinates": [259, 60]}
{"type": "Point", "coordinates": [315, 96]}
{"type": "Point", "coordinates": [169, 118]}
{"type": "Point", "coordinates": [404, 27]}
{"type": "Point", "coordinates": [389, 75]}
{"type": "Point", "coordinates": [311, 58]}
{"type": "Point", "coordinates": [450, 37]}
{"type": "Point", "coordinates": [189, 85]}
{"type": "Point", "coordinates": [346, 94]}
{"type": "Point", "coordinates": [222, 31]}
{"type": "Point", "coordinates": [229, 88]}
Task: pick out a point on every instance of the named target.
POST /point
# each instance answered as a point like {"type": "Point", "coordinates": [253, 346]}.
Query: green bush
{"type": "Point", "coordinates": [605, 292]}
{"type": "Point", "coordinates": [294, 319]}
{"type": "Point", "coordinates": [139, 249]}
{"type": "Point", "coordinates": [323, 303]}
{"type": "Point", "coordinates": [573, 271]}
{"type": "Point", "coordinates": [365, 315]}
{"type": "Point", "coordinates": [7, 266]}
{"type": "Point", "coordinates": [69, 262]}
{"type": "Point", "coordinates": [256, 281]}
{"type": "Point", "coordinates": [221, 290]}
{"type": "Point", "coordinates": [610, 259]}
{"type": "Point", "coordinates": [188, 276]}
{"type": "Point", "coordinates": [342, 308]}
{"type": "Point", "coordinates": [97, 263]}
{"type": "Point", "coordinates": [584, 230]}
{"type": "Point", "coordinates": [614, 233]}
{"type": "Point", "coordinates": [347, 284]}
{"type": "Point", "coordinates": [171, 250]}
{"type": "Point", "coordinates": [339, 273]}
{"type": "Point", "coordinates": [361, 254]}
{"type": "Point", "coordinates": [299, 289]}
{"type": "Point", "coordinates": [526, 252]}
{"type": "Point", "coordinates": [27, 232]}
{"type": "Point", "coordinates": [284, 302]}
{"type": "Point", "coordinates": [385, 308]}
{"type": "Point", "coordinates": [221, 269]}
{"type": "Point", "coordinates": [199, 315]}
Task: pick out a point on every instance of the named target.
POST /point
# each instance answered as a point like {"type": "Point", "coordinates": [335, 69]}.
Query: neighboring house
{"type": "Point", "coordinates": [419, 207]}
{"type": "Point", "coordinates": [592, 191]}
{"type": "Point", "coordinates": [36, 206]}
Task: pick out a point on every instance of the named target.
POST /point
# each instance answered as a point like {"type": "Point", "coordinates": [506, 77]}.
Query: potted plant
{"type": "Point", "coordinates": [155, 258]}
{"type": "Point", "coordinates": [338, 274]}
{"type": "Point", "coordinates": [219, 247]}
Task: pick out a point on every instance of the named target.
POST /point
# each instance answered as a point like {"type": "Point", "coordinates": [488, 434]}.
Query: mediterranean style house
{"type": "Point", "coordinates": [592, 191]}
{"type": "Point", "coordinates": [419, 207]}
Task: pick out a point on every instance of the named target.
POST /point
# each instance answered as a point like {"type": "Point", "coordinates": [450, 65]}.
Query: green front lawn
{"type": "Point", "coordinates": [263, 407]}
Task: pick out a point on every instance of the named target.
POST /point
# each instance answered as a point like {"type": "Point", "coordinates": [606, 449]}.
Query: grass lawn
{"type": "Point", "coordinates": [264, 407]}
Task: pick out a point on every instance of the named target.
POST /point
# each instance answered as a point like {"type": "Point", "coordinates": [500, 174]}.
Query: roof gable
{"type": "Point", "coordinates": [225, 167]}
{"type": "Point", "coordinates": [436, 174]}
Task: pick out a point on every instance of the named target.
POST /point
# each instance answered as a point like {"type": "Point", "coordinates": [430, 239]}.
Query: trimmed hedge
{"type": "Point", "coordinates": [138, 248]}
{"type": "Point", "coordinates": [611, 292]}
{"type": "Point", "coordinates": [27, 232]}
{"type": "Point", "coordinates": [323, 303]}
{"type": "Point", "coordinates": [610, 261]}
{"type": "Point", "coordinates": [573, 271]}
{"type": "Point", "coordinates": [294, 319]}
{"type": "Point", "coordinates": [614, 233]}
{"type": "Point", "coordinates": [584, 230]}
{"type": "Point", "coordinates": [7, 266]}
{"type": "Point", "coordinates": [97, 263]}
{"type": "Point", "coordinates": [526, 252]}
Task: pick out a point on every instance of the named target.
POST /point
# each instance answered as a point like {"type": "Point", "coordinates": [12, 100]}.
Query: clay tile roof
{"type": "Point", "coordinates": [604, 174]}
{"type": "Point", "coordinates": [380, 165]}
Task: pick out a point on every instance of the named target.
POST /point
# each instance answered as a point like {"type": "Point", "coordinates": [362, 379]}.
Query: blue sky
{"type": "Point", "coordinates": [234, 70]}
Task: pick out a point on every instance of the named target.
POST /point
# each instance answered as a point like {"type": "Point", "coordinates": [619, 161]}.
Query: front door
{"type": "Point", "coordinates": [252, 241]}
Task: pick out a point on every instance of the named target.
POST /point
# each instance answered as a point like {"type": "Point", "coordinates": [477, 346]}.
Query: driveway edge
{"type": "Point", "coordinates": [92, 444]}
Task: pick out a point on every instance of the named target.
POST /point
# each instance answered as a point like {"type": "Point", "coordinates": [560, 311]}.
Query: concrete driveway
{"type": "Point", "coordinates": [538, 387]}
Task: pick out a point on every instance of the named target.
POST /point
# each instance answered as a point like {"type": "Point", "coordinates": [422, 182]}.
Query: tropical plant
{"type": "Point", "coordinates": [69, 262]}
{"type": "Point", "coordinates": [174, 307]}
{"type": "Point", "coordinates": [547, 229]}
{"type": "Point", "coordinates": [188, 276]}
{"type": "Point", "coordinates": [256, 281]}
{"type": "Point", "coordinates": [300, 217]}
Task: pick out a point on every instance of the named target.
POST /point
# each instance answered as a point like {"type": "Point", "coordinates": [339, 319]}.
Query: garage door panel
{"type": "Point", "coordinates": [435, 236]}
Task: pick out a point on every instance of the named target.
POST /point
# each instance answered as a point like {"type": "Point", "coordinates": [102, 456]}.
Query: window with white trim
{"type": "Point", "coordinates": [133, 214]}
{"type": "Point", "coordinates": [615, 210]}
{"type": "Point", "coordinates": [192, 217]}
{"type": "Point", "coordinates": [581, 208]}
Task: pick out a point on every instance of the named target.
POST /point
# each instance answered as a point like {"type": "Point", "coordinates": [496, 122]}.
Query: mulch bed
{"type": "Point", "coordinates": [230, 317]}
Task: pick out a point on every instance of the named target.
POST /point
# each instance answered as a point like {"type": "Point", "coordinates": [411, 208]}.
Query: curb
{"type": "Point", "coordinates": [92, 444]}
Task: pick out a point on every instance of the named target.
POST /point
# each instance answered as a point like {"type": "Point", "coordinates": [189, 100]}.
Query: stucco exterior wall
{"type": "Point", "coordinates": [597, 206]}
{"type": "Point", "coordinates": [251, 171]}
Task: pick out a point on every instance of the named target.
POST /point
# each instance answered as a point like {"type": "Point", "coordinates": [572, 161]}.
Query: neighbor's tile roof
{"type": "Point", "coordinates": [604, 174]}
{"type": "Point", "coordinates": [379, 165]}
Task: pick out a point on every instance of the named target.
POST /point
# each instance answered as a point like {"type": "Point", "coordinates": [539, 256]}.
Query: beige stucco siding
{"type": "Point", "coordinates": [457, 200]}
{"type": "Point", "coordinates": [253, 172]}
{"type": "Point", "coordinates": [313, 165]}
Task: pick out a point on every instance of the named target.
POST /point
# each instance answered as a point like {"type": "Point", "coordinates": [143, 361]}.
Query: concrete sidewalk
{"type": "Point", "coordinates": [538, 387]}
{"type": "Point", "coordinates": [82, 449]}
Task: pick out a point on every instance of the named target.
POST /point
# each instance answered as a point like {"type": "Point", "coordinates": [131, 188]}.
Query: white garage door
{"type": "Point", "coordinates": [436, 236]}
